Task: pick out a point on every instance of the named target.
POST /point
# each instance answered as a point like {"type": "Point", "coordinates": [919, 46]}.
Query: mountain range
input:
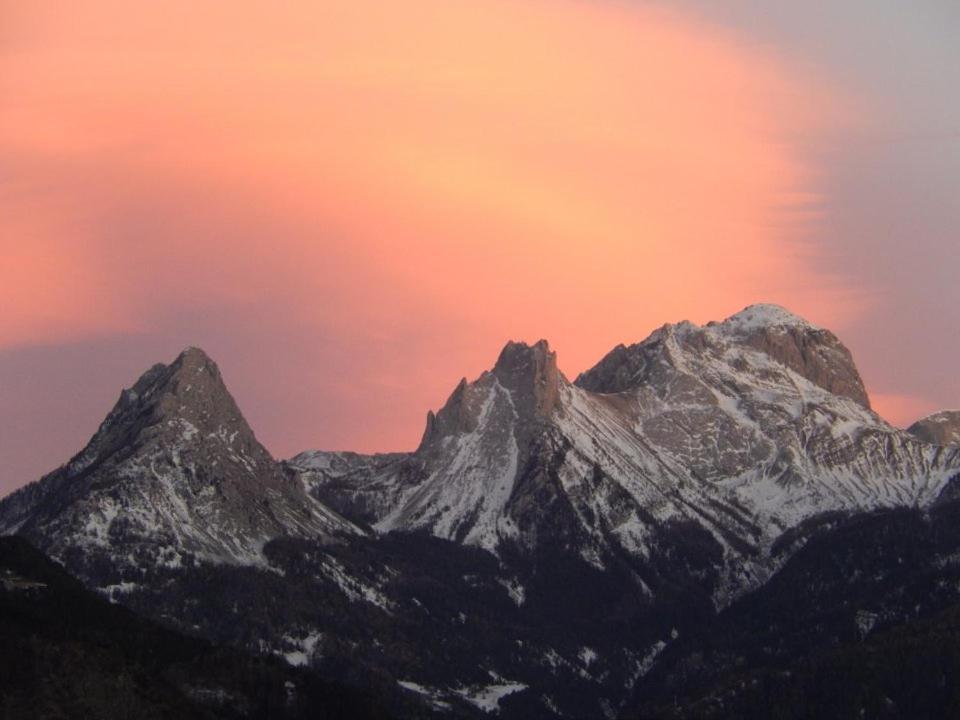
{"type": "Point", "coordinates": [552, 548]}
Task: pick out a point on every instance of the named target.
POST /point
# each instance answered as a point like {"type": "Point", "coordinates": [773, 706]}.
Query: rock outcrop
{"type": "Point", "coordinates": [940, 428]}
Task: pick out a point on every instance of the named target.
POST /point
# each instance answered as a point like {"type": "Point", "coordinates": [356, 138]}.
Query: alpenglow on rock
{"type": "Point", "coordinates": [173, 473]}
{"type": "Point", "coordinates": [813, 353]}
{"type": "Point", "coordinates": [745, 429]}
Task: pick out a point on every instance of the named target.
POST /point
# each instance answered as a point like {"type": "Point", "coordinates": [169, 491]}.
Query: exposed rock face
{"type": "Point", "coordinates": [741, 430]}
{"type": "Point", "coordinates": [528, 373]}
{"type": "Point", "coordinates": [531, 376]}
{"type": "Point", "coordinates": [174, 472]}
{"type": "Point", "coordinates": [811, 352]}
{"type": "Point", "coordinates": [941, 428]}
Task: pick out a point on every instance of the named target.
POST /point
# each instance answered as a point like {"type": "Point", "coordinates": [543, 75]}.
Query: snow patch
{"type": "Point", "coordinates": [488, 697]}
{"type": "Point", "coordinates": [433, 696]}
{"type": "Point", "coordinates": [762, 316]}
{"type": "Point", "coordinates": [304, 648]}
{"type": "Point", "coordinates": [514, 589]}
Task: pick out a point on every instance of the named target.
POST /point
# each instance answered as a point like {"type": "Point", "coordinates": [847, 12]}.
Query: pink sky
{"type": "Point", "coordinates": [352, 204]}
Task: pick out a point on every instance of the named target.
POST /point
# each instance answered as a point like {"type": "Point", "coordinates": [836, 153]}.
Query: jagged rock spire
{"type": "Point", "coordinates": [530, 373]}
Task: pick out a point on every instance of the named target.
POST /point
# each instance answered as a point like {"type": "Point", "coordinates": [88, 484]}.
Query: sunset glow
{"type": "Point", "coordinates": [386, 192]}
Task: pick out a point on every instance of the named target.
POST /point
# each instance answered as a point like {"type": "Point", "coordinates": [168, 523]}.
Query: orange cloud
{"type": "Point", "coordinates": [443, 174]}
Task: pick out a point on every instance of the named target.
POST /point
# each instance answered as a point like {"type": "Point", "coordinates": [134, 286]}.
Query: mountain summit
{"type": "Point", "coordinates": [174, 473]}
{"type": "Point", "coordinates": [812, 352]}
{"type": "Point", "coordinates": [941, 428]}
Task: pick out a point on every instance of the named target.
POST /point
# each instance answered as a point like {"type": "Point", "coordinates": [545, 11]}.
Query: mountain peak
{"type": "Point", "coordinates": [530, 373]}
{"type": "Point", "coordinates": [812, 352]}
{"type": "Point", "coordinates": [195, 368]}
{"type": "Point", "coordinates": [170, 408]}
{"type": "Point", "coordinates": [940, 428]}
{"type": "Point", "coordinates": [177, 465]}
{"type": "Point", "coordinates": [762, 316]}
{"type": "Point", "coordinates": [524, 375]}
{"type": "Point", "coordinates": [192, 369]}
{"type": "Point", "coordinates": [520, 353]}
{"type": "Point", "coordinates": [189, 393]}
{"type": "Point", "coordinates": [194, 357]}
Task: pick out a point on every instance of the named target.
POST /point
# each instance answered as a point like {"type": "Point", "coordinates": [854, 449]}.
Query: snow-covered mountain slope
{"type": "Point", "coordinates": [746, 428]}
{"type": "Point", "coordinates": [339, 480]}
{"type": "Point", "coordinates": [173, 473]}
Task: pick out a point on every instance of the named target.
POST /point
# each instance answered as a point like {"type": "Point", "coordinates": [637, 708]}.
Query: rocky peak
{"type": "Point", "coordinates": [190, 385]}
{"type": "Point", "coordinates": [530, 373]}
{"type": "Point", "coordinates": [459, 414]}
{"type": "Point", "coordinates": [812, 352]}
{"type": "Point", "coordinates": [520, 355]}
{"type": "Point", "coordinates": [941, 428]}
{"type": "Point", "coordinates": [168, 406]}
{"type": "Point", "coordinates": [762, 316]}
{"type": "Point", "coordinates": [173, 471]}
{"type": "Point", "coordinates": [526, 375]}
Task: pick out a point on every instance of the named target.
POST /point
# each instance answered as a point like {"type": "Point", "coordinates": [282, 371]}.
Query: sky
{"type": "Point", "coordinates": [351, 204]}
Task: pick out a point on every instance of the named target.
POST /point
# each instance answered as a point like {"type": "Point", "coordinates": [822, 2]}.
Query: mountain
{"type": "Point", "coordinates": [700, 508]}
{"type": "Point", "coordinates": [941, 428]}
{"type": "Point", "coordinates": [174, 475]}
{"type": "Point", "coordinates": [743, 432]}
